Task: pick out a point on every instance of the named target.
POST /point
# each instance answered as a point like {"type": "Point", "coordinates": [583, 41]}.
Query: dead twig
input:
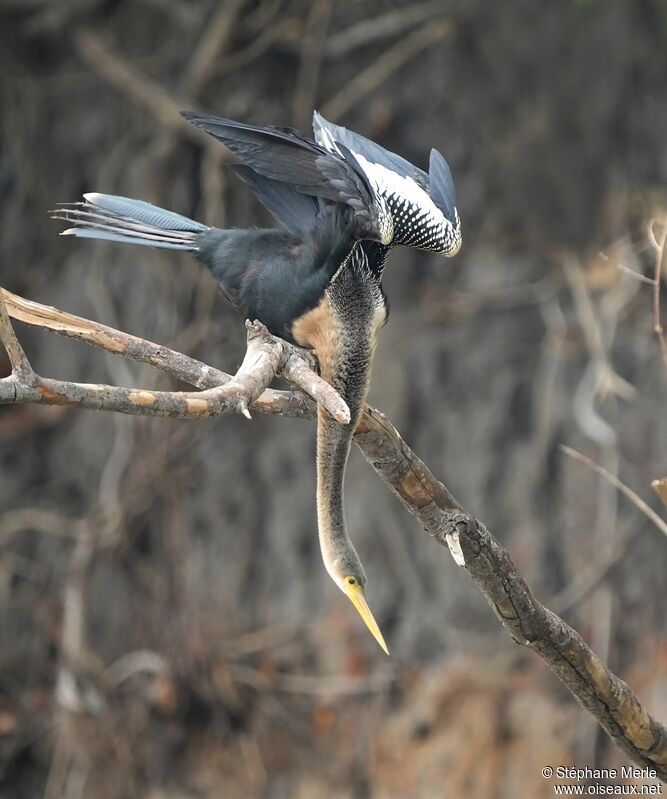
{"type": "Point", "coordinates": [660, 488]}
{"type": "Point", "coordinates": [381, 26]}
{"type": "Point", "coordinates": [135, 84]}
{"type": "Point", "coordinates": [21, 369]}
{"type": "Point", "coordinates": [385, 65]}
{"type": "Point", "coordinates": [310, 64]}
{"type": "Point", "coordinates": [658, 245]}
{"type": "Point", "coordinates": [212, 45]}
{"type": "Point", "coordinates": [636, 500]}
{"type": "Point", "coordinates": [628, 270]}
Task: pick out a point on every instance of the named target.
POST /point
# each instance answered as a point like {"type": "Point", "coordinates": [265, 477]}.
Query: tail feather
{"type": "Point", "coordinates": [105, 216]}
{"type": "Point", "coordinates": [80, 213]}
{"type": "Point", "coordinates": [87, 233]}
{"type": "Point", "coordinates": [145, 212]}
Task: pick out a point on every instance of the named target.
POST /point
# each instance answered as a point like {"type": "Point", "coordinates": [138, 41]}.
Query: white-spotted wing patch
{"type": "Point", "coordinates": [418, 222]}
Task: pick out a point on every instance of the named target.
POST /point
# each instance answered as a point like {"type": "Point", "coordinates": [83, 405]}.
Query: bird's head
{"type": "Point", "coordinates": [348, 574]}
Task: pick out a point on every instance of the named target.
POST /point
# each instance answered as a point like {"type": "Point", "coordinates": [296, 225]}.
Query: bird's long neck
{"type": "Point", "coordinates": [345, 353]}
{"type": "Point", "coordinates": [333, 447]}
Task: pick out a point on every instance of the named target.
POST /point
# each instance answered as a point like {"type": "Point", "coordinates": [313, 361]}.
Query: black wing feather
{"type": "Point", "coordinates": [270, 152]}
{"type": "Point", "coordinates": [442, 185]}
{"type": "Point", "coordinates": [286, 155]}
{"type": "Point", "coordinates": [278, 153]}
{"type": "Point", "coordinates": [295, 211]}
{"type": "Point", "coordinates": [369, 149]}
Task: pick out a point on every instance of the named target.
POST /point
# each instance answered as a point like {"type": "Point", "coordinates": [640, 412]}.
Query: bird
{"type": "Point", "coordinates": [315, 283]}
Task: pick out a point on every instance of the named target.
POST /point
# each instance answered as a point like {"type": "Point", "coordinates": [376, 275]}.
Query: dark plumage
{"type": "Point", "coordinates": [287, 156]}
{"type": "Point", "coordinates": [316, 282]}
{"type": "Point", "coordinates": [276, 276]}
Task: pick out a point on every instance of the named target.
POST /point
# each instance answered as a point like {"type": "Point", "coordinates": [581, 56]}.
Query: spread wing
{"type": "Point", "coordinates": [286, 155]}
{"type": "Point", "coordinates": [297, 212]}
{"type": "Point", "coordinates": [438, 183]}
{"type": "Point", "coordinates": [330, 136]}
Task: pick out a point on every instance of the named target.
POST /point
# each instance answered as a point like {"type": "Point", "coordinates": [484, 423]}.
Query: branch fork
{"type": "Point", "coordinates": [607, 698]}
{"type": "Point", "coordinates": [266, 357]}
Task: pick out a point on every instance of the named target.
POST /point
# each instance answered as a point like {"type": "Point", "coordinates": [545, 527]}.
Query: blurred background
{"type": "Point", "coordinates": [167, 629]}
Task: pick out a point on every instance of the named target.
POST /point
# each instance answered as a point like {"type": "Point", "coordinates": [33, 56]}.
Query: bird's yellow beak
{"type": "Point", "coordinates": [356, 595]}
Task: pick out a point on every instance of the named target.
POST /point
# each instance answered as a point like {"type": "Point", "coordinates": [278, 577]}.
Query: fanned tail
{"type": "Point", "coordinates": [122, 219]}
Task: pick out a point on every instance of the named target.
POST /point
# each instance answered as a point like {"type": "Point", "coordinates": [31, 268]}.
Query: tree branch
{"type": "Point", "coordinates": [21, 369]}
{"type": "Point", "coordinates": [385, 65]}
{"type": "Point", "coordinates": [132, 82]}
{"type": "Point", "coordinates": [660, 248]}
{"type": "Point", "coordinates": [260, 365]}
{"type": "Point", "coordinates": [633, 496]}
{"type": "Point", "coordinates": [182, 367]}
{"type": "Point", "coordinates": [607, 698]}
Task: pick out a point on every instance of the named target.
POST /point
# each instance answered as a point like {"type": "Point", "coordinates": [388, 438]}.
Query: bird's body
{"type": "Point", "coordinates": [288, 282]}
{"type": "Point", "coordinates": [316, 282]}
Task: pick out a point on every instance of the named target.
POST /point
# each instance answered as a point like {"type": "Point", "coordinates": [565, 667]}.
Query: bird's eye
{"type": "Point", "coordinates": [351, 581]}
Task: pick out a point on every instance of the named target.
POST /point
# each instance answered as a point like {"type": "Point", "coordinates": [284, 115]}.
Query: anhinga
{"type": "Point", "coordinates": [317, 282]}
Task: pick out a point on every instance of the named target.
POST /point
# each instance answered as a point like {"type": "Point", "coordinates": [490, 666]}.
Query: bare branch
{"type": "Point", "coordinates": [176, 364]}
{"type": "Point", "coordinates": [607, 698]}
{"type": "Point", "coordinates": [660, 487]}
{"type": "Point", "coordinates": [298, 372]}
{"type": "Point", "coordinates": [133, 83]}
{"type": "Point", "coordinates": [310, 62]}
{"type": "Point", "coordinates": [381, 26]}
{"type": "Point", "coordinates": [21, 368]}
{"type": "Point", "coordinates": [636, 500]}
{"type": "Point", "coordinates": [263, 358]}
{"type": "Point", "coordinates": [212, 45]}
{"type": "Point", "coordinates": [385, 65]}
{"type": "Point", "coordinates": [658, 245]}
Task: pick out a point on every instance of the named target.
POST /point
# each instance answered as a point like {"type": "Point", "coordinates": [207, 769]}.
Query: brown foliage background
{"type": "Point", "coordinates": [215, 657]}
